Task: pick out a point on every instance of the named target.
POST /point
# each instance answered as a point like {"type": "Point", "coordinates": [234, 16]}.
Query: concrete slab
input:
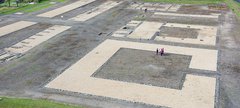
{"type": "Point", "coordinates": [146, 30]}
{"type": "Point", "coordinates": [33, 41]}
{"type": "Point", "coordinates": [174, 8]}
{"type": "Point", "coordinates": [206, 34]}
{"type": "Point", "coordinates": [4, 56]}
{"type": "Point", "coordinates": [134, 6]}
{"type": "Point", "coordinates": [15, 27]}
{"type": "Point", "coordinates": [118, 35]}
{"type": "Point", "coordinates": [66, 8]}
{"type": "Point", "coordinates": [187, 15]}
{"type": "Point", "coordinates": [163, 7]}
{"type": "Point", "coordinates": [151, 6]}
{"type": "Point", "coordinates": [197, 91]}
{"type": "Point", "coordinates": [126, 30]}
{"type": "Point", "coordinates": [189, 26]}
{"type": "Point", "coordinates": [148, 4]}
{"type": "Point", "coordinates": [96, 11]}
{"type": "Point", "coordinates": [122, 32]}
{"type": "Point", "coordinates": [134, 23]}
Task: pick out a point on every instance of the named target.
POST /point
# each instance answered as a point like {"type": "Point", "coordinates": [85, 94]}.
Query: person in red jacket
{"type": "Point", "coordinates": [162, 51]}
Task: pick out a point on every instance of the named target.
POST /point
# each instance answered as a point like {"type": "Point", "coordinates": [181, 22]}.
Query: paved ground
{"type": "Point", "coordinates": [78, 78]}
{"type": "Point", "coordinates": [206, 35]}
{"type": "Point", "coordinates": [28, 75]}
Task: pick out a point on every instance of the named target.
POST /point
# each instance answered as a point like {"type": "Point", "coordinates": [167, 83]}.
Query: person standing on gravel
{"type": "Point", "coordinates": [162, 51]}
{"type": "Point", "coordinates": [145, 10]}
{"type": "Point", "coordinates": [157, 51]}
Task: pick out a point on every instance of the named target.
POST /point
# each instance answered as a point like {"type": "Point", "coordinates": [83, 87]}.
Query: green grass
{"type": "Point", "coordinates": [234, 6]}
{"type": "Point", "coordinates": [25, 7]}
{"type": "Point", "coordinates": [29, 103]}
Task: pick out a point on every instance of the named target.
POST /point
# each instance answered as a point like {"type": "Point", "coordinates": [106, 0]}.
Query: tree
{"type": "Point", "coordinates": [37, 1]}
{"type": "Point", "coordinates": [9, 2]}
{"type": "Point", "coordinates": [17, 1]}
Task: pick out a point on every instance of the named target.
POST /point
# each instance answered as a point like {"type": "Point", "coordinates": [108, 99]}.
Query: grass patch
{"type": "Point", "coordinates": [29, 103]}
{"type": "Point", "coordinates": [234, 6]}
{"type": "Point", "coordinates": [187, 1]}
{"type": "Point", "coordinates": [25, 7]}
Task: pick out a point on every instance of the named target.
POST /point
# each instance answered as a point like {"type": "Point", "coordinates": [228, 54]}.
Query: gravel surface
{"type": "Point", "coordinates": [27, 75]}
{"type": "Point", "coordinates": [179, 32]}
{"type": "Point", "coordinates": [145, 67]}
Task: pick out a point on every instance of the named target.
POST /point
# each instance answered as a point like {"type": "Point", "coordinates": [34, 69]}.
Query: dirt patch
{"type": "Point", "coordinates": [200, 9]}
{"type": "Point", "coordinates": [218, 7]}
{"type": "Point", "coordinates": [184, 20]}
{"type": "Point", "coordinates": [179, 32]}
{"type": "Point", "coordinates": [144, 67]}
{"type": "Point", "coordinates": [15, 37]}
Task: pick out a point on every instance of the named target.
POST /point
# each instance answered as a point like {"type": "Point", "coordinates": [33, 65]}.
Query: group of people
{"type": "Point", "coordinates": [160, 51]}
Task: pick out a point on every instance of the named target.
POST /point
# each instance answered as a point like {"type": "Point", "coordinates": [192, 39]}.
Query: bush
{"type": "Point", "coordinates": [2, 1]}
